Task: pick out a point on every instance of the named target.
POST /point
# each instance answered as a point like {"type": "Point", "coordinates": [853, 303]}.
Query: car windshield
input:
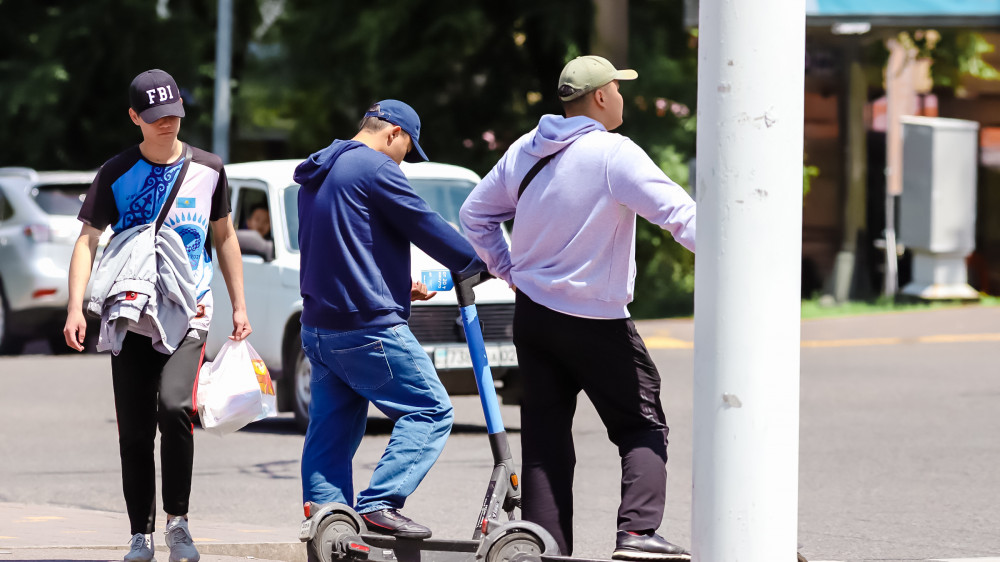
{"type": "Point", "coordinates": [60, 199]}
{"type": "Point", "coordinates": [443, 195]}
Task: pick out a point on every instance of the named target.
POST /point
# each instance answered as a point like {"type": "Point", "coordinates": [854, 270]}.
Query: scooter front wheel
{"type": "Point", "coordinates": [513, 545]}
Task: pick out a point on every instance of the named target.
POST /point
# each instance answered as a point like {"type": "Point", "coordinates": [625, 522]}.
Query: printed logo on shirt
{"type": "Point", "coordinates": [192, 229]}
{"type": "Point", "coordinates": [144, 204]}
{"type": "Point", "coordinates": [185, 202]}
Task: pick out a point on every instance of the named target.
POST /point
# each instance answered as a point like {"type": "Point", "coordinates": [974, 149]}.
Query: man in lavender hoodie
{"type": "Point", "coordinates": [572, 261]}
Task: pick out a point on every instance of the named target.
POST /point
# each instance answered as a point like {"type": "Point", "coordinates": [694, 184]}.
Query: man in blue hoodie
{"type": "Point", "coordinates": [572, 260]}
{"type": "Point", "coordinates": [357, 218]}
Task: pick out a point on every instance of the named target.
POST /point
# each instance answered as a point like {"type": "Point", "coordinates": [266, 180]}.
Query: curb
{"type": "Point", "coordinates": [284, 552]}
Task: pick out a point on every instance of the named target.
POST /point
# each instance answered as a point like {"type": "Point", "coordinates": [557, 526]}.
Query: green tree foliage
{"type": "Point", "coordinates": [480, 74]}
{"type": "Point", "coordinates": [660, 117]}
{"type": "Point", "coordinates": [957, 54]}
{"type": "Point", "coordinates": [65, 68]}
{"type": "Point", "coordinates": [468, 68]}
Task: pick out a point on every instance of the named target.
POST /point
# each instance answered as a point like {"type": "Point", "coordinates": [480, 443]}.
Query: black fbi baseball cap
{"type": "Point", "coordinates": [154, 95]}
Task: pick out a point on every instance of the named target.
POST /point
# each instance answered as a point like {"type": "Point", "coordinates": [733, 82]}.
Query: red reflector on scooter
{"type": "Point", "coordinates": [307, 509]}
{"type": "Point", "coordinates": [486, 522]}
{"type": "Point", "coordinates": [359, 547]}
{"type": "Point", "coordinates": [43, 293]}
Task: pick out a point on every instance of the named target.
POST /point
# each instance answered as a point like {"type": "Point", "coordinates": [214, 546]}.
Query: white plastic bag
{"type": "Point", "coordinates": [235, 389]}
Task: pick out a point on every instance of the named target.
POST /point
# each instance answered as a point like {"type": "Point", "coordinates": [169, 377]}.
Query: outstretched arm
{"type": "Point", "coordinates": [639, 184]}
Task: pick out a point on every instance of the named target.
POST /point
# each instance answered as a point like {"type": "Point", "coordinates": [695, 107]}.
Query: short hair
{"type": "Point", "coordinates": [373, 124]}
{"type": "Point", "coordinates": [261, 206]}
{"type": "Point", "coordinates": [576, 104]}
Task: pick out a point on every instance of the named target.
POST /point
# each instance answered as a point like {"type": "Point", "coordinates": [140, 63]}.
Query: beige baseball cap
{"type": "Point", "coordinates": [585, 74]}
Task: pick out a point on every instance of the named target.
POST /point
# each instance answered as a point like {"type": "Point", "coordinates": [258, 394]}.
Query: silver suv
{"type": "Point", "coordinates": [38, 228]}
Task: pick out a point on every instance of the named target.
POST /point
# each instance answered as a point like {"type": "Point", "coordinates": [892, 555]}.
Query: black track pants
{"type": "Point", "coordinates": [560, 355]}
{"type": "Point", "coordinates": [155, 390]}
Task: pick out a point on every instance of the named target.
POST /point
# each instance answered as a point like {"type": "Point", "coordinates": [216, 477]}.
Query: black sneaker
{"type": "Point", "coordinates": [635, 546]}
{"type": "Point", "coordinates": [392, 522]}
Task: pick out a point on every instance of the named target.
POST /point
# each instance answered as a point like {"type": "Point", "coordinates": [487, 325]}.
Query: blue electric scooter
{"type": "Point", "coordinates": [334, 531]}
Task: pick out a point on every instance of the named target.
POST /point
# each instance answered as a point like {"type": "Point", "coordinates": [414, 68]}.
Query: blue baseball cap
{"type": "Point", "coordinates": [403, 116]}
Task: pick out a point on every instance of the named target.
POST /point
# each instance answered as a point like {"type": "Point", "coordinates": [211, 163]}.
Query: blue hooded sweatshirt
{"type": "Point", "coordinates": [357, 218]}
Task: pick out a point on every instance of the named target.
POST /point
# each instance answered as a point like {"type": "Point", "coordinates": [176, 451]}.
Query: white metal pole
{"type": "Point", "coordinates": [751, 59]}
{"type": "Point", "coordinates": [223, 65]}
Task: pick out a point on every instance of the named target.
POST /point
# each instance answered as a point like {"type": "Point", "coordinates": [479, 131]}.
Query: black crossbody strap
{"type": "Point", "coordinates": [177, 187]}
{"type": "Point", "coordinates": [533, 172]}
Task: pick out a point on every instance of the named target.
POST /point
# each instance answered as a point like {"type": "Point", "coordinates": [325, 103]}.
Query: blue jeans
{"type": "Point", "coordinates": [387, 367]}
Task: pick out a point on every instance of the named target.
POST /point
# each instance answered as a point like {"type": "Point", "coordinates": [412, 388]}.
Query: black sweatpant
{"type": "Point", "coordinates": [153, 390]}
{"type": "Point", "coordinates": [560, 355]}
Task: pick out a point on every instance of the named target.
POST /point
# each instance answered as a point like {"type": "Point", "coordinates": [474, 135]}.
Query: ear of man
{"type": "Point", "coordinates": [599, 97]}
{"type": "Point", "coordinates": [395, 131]}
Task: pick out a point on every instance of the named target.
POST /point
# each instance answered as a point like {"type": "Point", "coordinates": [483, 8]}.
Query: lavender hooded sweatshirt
{"type": "Point", "coordinates": [573, 243]}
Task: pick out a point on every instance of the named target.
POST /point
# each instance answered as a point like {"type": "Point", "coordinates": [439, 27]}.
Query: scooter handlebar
{"type": "Point", "coordinates": [464, 286]}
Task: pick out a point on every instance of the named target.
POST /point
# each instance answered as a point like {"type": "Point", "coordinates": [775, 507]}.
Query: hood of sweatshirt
{"type": "Point", "coordinates": [313, 170]}
{"type": "Point", "coordinates": [555, 132]}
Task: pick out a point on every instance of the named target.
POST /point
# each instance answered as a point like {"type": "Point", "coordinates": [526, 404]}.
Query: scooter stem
{"type": "Point", "coordinates": [504, 490]}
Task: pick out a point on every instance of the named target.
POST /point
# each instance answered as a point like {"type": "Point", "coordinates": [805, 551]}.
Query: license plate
{"type": "Point", "coordinates": [458, 357]}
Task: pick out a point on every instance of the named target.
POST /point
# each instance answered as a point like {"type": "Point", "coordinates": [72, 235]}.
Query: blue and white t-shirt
{"type": "Point", "coordinates": [130, 190]}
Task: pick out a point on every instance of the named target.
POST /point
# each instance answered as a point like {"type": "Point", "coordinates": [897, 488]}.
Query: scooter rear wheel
{"type": "Point", "coordinates": [320, 548]}
{"type": "Point", "coordinates": [513, 544]}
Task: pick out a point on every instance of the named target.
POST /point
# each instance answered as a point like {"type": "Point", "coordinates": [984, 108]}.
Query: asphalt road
{"type": "Point", "coordinates": [900, 444]}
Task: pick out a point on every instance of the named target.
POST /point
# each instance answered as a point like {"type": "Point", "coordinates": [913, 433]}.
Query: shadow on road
{"type": "Point", "coordinates": [377, 425]}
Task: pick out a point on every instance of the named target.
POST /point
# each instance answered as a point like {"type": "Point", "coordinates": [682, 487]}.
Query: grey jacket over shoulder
{"type": "Point", "coordinates": [144, 284]}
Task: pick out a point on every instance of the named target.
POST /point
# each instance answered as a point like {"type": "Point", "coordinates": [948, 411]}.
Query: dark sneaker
{"type": "Point", "coordinates": [392, 522]}
{"type": "Point", "coordinates": [635, 546]}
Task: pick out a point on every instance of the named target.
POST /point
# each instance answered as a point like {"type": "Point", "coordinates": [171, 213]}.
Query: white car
{"type": "Point", "coordinates": [38, 228]}
{"type": "Point", "coordinates": [274, 304]}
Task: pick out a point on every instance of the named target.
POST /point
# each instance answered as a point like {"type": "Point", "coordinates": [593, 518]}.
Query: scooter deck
{"type": "Point", "coordinates": [667, 558]}
{"type": "Point", "coordinates": [386, 548]}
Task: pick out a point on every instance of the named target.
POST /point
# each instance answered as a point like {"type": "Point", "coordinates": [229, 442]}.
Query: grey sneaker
{"type": "Point", "coordinates": [179, 541]}
{"type": "Point", "coordinates": [141, 548]}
